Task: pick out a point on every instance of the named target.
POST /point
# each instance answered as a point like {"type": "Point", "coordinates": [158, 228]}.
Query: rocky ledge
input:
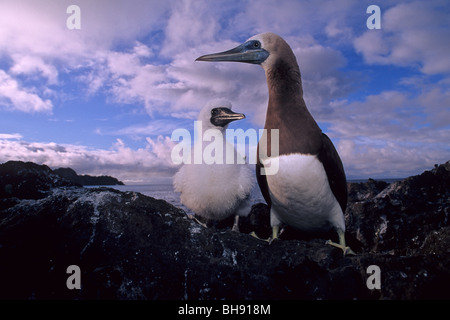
{"type": "Point", "coordinates": [130, 246]}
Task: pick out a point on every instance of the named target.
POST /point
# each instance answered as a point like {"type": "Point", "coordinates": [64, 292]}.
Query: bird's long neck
{"type": "Point", "coordinates": [283, 79]}
{"type": "Point", "coordinates": [287, 111]}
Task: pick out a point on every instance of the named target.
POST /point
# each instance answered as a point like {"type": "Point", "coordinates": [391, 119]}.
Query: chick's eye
{"type": "Point", "coordinates": [256, 44]}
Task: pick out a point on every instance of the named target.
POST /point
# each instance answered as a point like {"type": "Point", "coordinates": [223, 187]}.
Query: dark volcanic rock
{"type": "Point", "coordinates": [399, 218]}
{"type": "Point", "coordinates": [365, 191]}
{"type": "Point", "coordinates": [129, 246]}
{"type": "Point", "coordinates": [86, 180]}
{"type": "Point", "coordinates": [27, 180]}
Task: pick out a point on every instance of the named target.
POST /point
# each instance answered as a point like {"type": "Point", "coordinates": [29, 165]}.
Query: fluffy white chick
{"type": "Point", "coordinates": [213, 189]}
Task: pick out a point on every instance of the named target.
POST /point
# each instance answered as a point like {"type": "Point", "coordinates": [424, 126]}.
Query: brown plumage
{"type": "Point", "coordinates": [310, 191]}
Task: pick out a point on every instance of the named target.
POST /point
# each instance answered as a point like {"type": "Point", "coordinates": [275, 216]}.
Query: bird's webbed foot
{"type": "Point", "coordinates": [341, 245]}
{"type": "Point", "coordinates": [192, 217]}
{"type": "Point", "coordinates": [275, 233]}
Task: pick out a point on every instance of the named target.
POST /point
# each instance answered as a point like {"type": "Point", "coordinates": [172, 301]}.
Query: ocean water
{"type": "Point", "coordinates": [167, 193]}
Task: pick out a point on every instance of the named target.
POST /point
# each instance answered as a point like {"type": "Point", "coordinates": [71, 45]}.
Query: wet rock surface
{"type": "Point", "coordinates": [130, 246]}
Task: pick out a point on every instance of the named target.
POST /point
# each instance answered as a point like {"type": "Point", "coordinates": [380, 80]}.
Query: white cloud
{"type": "Point", "coordinates": [394, 116]}
{"type": "Point", "coordinates": [13, 96]}
{"type": "Point", "coordinates": [155, 127]}
{"type": "Point", "coordinates": [191, 28]}
{"type": "Point", "coordinates": [436, 102]}
{"type": "Point", "coordinates": [412, 34]}
{"type": "Point", "coordinates": [29, 65]}
{"type": "Point", "coordinates": [39, 27]}
{"type": "Point", "coordinates": [120, 161]}
{"type": "Point", "coordinates": [389, 159]}
{"type": "Point", "coordinates": [191, 23]}
{"type": "Point", "coordinates": [127, 63]}
{"type": "Point", "coordinates": [33, 34]}
{"type": "Point", "coordinates": [9, 136]}
{"type": "Point", "coordinates": [162, 148]}
{"type": "Point", "coordinates": [392, 133]}
{"type": "Point", "coordinates": [335, 30]}
{"type": "Point", "coordinates": [322, 78]}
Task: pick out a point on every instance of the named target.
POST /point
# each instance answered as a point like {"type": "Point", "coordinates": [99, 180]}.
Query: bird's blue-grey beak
{"type": "Point", "coordinates": [245, 52]}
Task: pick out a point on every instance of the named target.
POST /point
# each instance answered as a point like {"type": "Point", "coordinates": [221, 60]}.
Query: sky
{"type": "Point", "coordinates": [105, 98]}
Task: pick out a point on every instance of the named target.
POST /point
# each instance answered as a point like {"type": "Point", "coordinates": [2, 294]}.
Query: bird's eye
{"type": "Point", "coordinates": [256, 44]}
{"type": "Point", "coordinates": [213, 112]}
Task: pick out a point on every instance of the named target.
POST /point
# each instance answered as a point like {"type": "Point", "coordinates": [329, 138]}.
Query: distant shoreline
{"type": "Point", "coordinates": [87, 180]}
{"type": "Point", "coordinates": [387, 180]}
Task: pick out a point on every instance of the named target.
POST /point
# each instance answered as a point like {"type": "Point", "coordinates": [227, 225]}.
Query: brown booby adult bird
{"type": "Point", "coordinates": [309, 190]}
